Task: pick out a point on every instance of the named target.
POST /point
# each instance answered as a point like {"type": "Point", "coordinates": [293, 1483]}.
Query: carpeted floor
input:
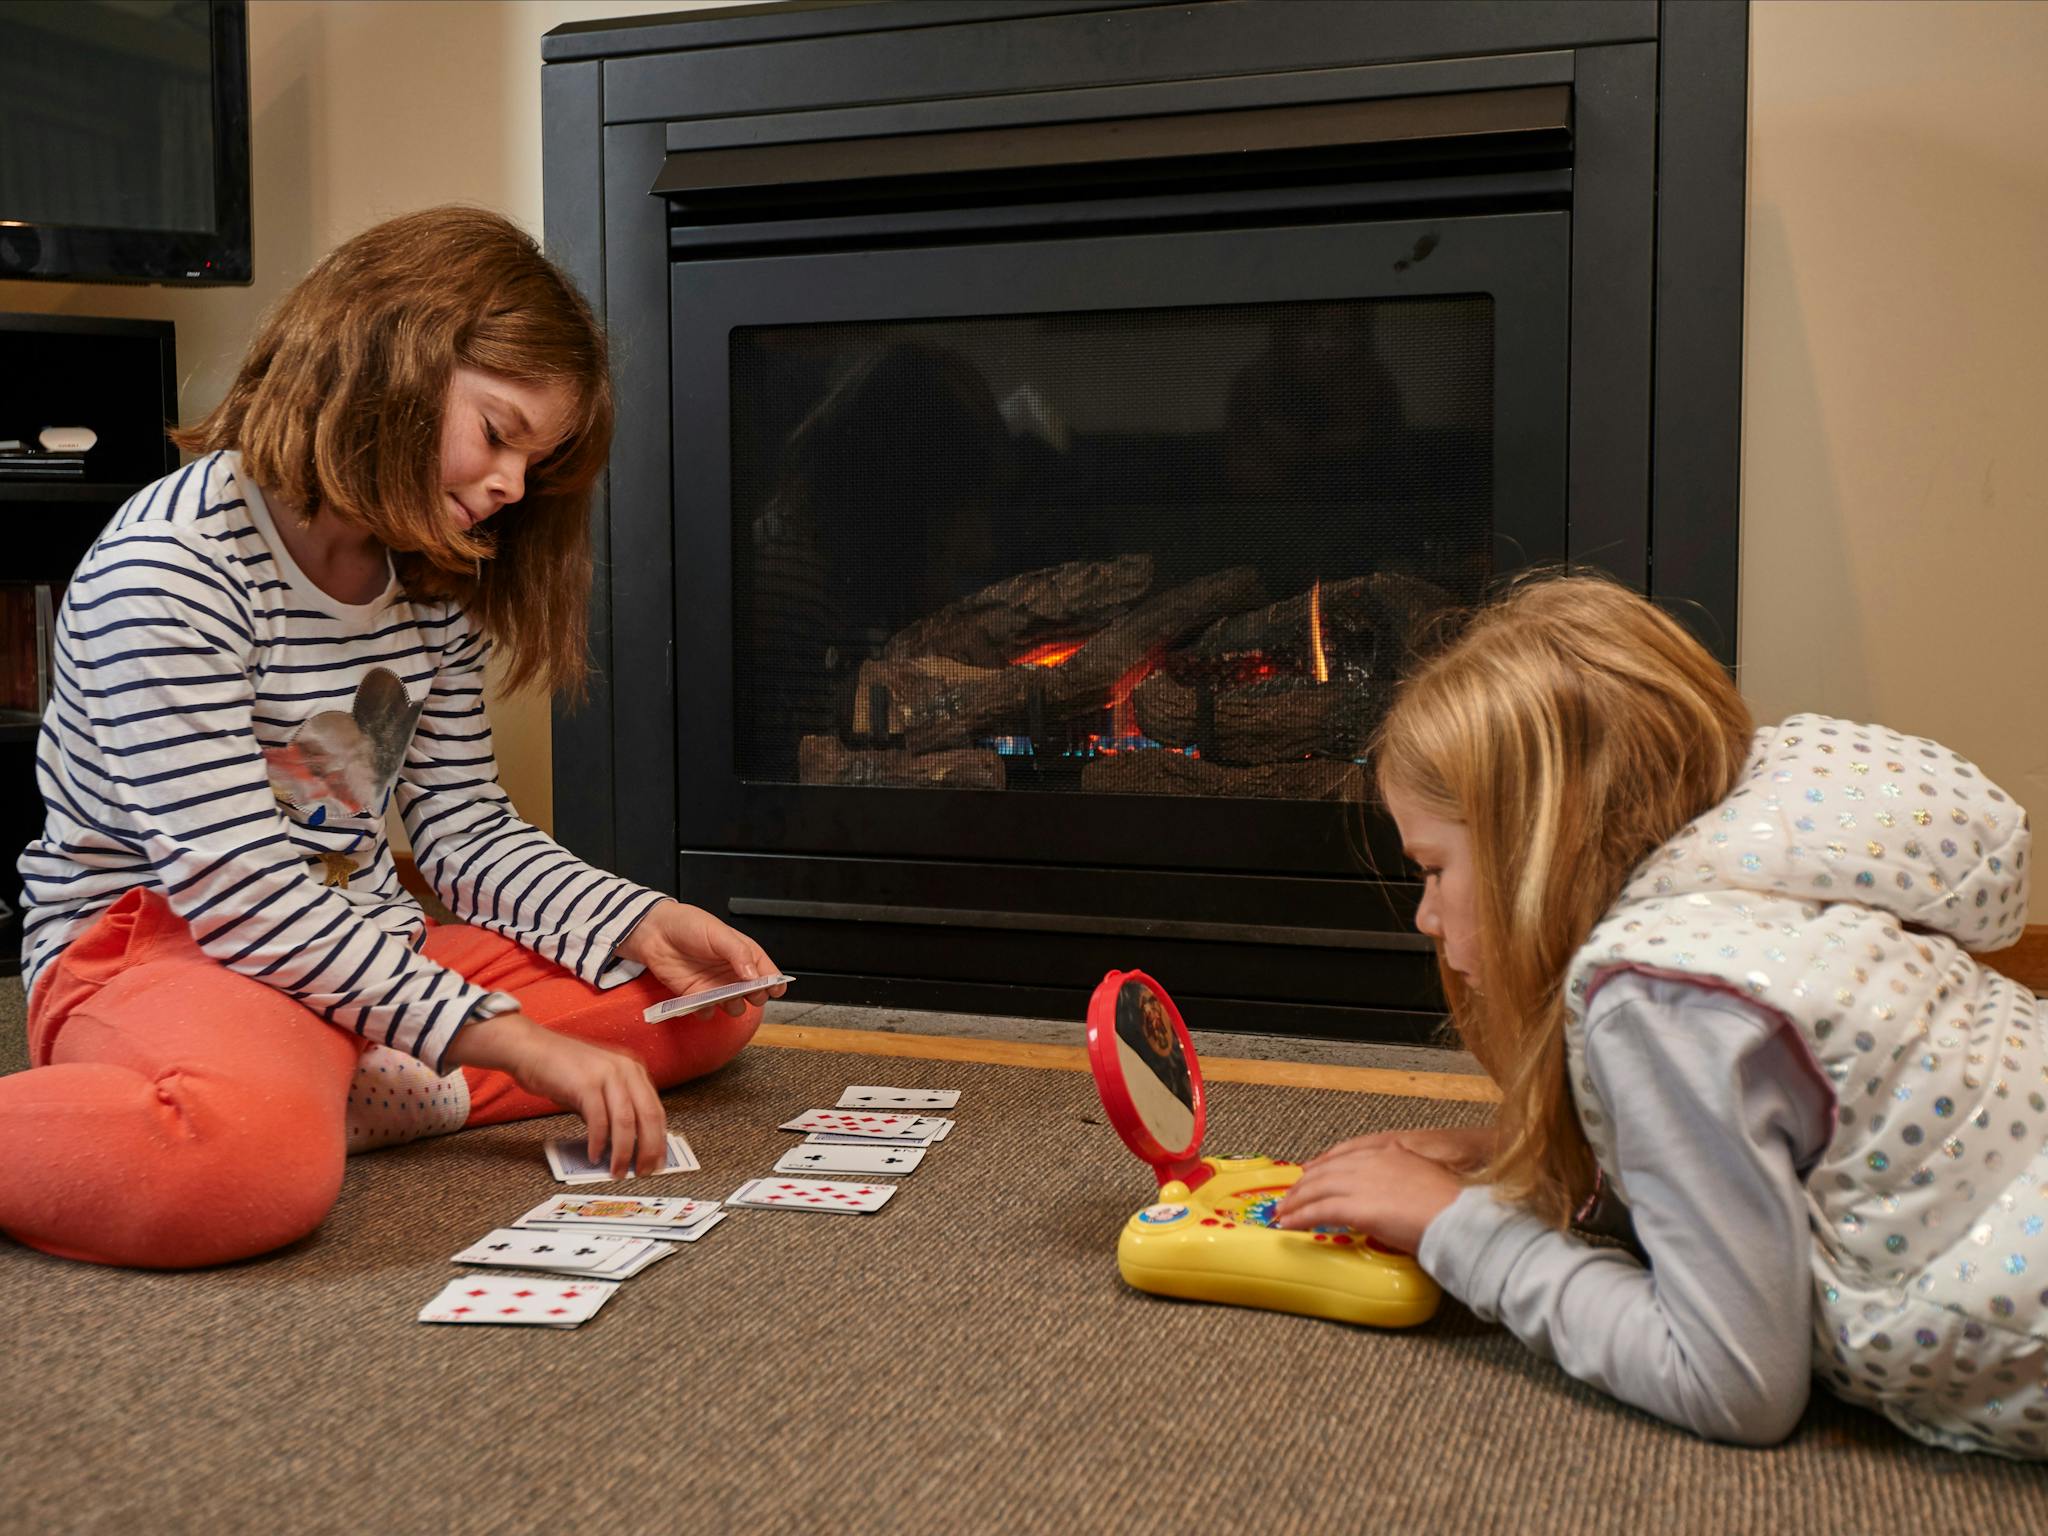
{"type": "Point", "coordinates": [966, 1360]}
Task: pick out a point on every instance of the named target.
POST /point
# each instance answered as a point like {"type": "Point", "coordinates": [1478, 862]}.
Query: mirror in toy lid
{"type": "Point", "coordinates": [1148, 1076]}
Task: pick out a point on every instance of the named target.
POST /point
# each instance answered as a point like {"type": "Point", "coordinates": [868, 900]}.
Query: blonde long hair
{"type": "Point", "coordinates": [338, 408]}
{"type": "Point", "coordinates": [1572, 727]}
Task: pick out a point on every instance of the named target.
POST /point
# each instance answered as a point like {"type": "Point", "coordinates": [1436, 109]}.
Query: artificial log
{"type": "Point", "coordinates": [908, 687]}
{"type": "Point", "coordinates": [825, 760]}
{"type": "Point", "coordinates": [1368, 623]}
{"type": "Point", "coordinates": [1013, 697]}
{"type": "Point", "coordinates": [998, 624]}
{"type": "Point", "coordinates": [1274, 721]}
{"type": "Point", "coordinates": [1170, 773]}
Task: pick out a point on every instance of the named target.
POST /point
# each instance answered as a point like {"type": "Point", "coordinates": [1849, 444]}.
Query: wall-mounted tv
{"type": "Point", "coordinates": [124, 140]}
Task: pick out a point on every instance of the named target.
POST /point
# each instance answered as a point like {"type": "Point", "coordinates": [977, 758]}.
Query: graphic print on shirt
{"type": "Point", "coordinates": [344, 764]}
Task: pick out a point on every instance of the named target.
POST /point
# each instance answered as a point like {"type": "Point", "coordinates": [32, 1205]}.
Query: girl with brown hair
{"type": "Point", "coordinates": [1724, 978]}
{"type": "Point", "coordinates": [229, 989]}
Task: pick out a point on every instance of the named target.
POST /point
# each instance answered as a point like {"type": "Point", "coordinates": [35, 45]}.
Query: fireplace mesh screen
{"type": "Point", "coordinates": [1174, 551]}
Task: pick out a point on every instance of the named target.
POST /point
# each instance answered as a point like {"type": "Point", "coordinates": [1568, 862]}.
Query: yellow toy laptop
{"type": "Point", "coordinates": [1210, 1235]}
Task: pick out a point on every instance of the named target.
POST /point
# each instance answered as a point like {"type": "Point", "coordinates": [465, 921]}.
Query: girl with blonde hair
{"type": "Point", "coordinates": [229, 989]}
{"type": "Point", "coordinates": [1723, 979]}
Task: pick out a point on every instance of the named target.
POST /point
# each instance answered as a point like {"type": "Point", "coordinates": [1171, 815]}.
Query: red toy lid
{"type": "Point", "coordinates": [1148, 1074]}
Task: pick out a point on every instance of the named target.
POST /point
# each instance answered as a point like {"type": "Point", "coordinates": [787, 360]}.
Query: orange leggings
{"type": "Point", "coordinates": [178, 1114]}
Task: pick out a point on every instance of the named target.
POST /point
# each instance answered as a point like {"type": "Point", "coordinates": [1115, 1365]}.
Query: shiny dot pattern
{"type": "Point", "coordinates": [395, 1098]}
{"type": "Point", "coordinates": [1845, 884]}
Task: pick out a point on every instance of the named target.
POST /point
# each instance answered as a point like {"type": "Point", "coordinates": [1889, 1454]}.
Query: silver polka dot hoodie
{"type": "Point", "coordinates": [1843, 884]}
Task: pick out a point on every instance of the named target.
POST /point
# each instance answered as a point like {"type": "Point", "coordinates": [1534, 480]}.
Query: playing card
{"type": "Point", "coordinates": [843, 1122]}
{"type": "Point", "coordinates": [861, 1096]}
{"type": "Point", "coordinates": [570, 1162]}
{"type": "Point", "coordinates": [868, 1160]}
{"type": "Point", "coordinates": [543, 1303]}
{"type": "Point", "coordinates": [928, 1131]}
{"type": "Point", "coordinates": [677, 1006]}
{"type": "Point", "coordinates": [697, 1231]}
{"type": "Point", "coordinates": [848, 1199]}
{"type": "Point", "coordinates": [586, 1254]}
{"type": "Point", "coordinates": [609, 1214]}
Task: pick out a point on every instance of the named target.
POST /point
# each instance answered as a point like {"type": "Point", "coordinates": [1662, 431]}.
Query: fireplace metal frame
{"type": "Point", "coordinates": [1658, 97]}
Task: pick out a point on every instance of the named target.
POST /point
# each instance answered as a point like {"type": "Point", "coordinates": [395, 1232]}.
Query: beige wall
{"type": "Point", "coordinates": [1895, 441]}
{"type": "Point", "coordinates": [1895, 419]}
{"type": "Point", "coordinates": [362, 109]}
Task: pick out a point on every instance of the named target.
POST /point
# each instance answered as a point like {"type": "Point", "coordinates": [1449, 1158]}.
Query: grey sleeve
{"type": "Point", "coordinates": [1716, 1112]}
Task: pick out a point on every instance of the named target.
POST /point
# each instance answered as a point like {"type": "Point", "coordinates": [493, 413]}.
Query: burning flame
{"type": "Point", "coordinates": [1315, 631]}
{"type": "Point", "coordinates": [1050, 654]}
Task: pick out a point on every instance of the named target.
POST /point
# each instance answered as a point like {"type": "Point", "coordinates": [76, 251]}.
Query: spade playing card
{"type": "Point", "coordinates": [809, 1158]}
{"type": "Point", "coordinates": [569, 1160]}
{"type": "Point", "coordinates": [518, 1299]}
{"type": "Point", "coordinates": [569, 1253]}
{"type": "Point", "coordinates": [848, 1199]}
{"type": "Point", "coordinates": [861, 1096]}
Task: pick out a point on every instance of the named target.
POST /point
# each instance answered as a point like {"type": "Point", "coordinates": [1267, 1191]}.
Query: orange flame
{"type": "Point", "coordinates": [1315, 631]}
{"type": "Point", "coordinates": [1050, 654]}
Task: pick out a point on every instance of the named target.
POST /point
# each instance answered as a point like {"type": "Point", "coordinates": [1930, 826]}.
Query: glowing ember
{"type": "Point", "coordinates": [1315, 631]}
{"type": "Point", "coordinates": [1051, 654]}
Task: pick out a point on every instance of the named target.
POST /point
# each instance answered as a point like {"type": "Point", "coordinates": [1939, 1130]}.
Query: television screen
{"type": "Point", "coordinates": [124, 140]}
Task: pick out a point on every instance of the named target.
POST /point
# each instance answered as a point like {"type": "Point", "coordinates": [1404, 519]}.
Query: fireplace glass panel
{"type": "Point", "coordinates": [1156, 551]}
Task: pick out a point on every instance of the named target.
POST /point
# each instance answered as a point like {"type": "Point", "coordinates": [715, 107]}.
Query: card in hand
{"type": "Point", "coordinates": [569, 1160]}
{"type": "Point", "coordinates": [861, 1096]}
{"type": "Point", "coordinates": [867, 1160]}
{"type": "Point", "coordinates": [517, 1299]}
{"type": "Point", "coordinates": [847, 1199]}
{"type": "Point", "coordinates": [675, 1007]}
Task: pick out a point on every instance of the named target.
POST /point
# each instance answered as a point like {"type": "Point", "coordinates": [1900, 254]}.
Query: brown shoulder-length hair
{"type": "Point", "coordinates": [1573, 728]}
{"type": "Point", "coordinates": [338, 410]}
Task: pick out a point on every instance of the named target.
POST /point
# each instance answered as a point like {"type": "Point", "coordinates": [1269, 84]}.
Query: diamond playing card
{"type": "Point", "coordinates": [868, 1161]}
{"type": "Point", "coordinates": [847, 1122]}
{"type": "Point", "coordinates": [862, 1096]}
{"type": "Point", "coordinates": [928, 1131]}
{"type": "Point", "coordinates": [569, 1160]}
{"type": "Point", "coordinates": [849, 1199]}
{"type": "Point", "coordinates": [517, 1299]}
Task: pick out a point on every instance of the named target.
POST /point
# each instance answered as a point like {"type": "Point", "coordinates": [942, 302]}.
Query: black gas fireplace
{"type": "Point", "coordinates": [1047, 429]}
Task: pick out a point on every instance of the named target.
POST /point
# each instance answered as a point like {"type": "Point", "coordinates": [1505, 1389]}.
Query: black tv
{"type": "Point", "coordinates": [124, 140]}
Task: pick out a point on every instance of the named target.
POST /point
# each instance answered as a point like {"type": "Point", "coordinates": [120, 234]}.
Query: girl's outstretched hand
{"type": "Point", "coordinates": [1462, 1149]}
{"type": "Point", "coordinates": [609, 1089]}
{"type": "Point", "coordinates": [1387, 1192]}
{"type": "Point", "coordinates": [688, 950]}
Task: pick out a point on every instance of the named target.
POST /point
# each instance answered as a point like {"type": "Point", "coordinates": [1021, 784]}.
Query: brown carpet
{"type": "Point", "coordinates": [965, 1361]}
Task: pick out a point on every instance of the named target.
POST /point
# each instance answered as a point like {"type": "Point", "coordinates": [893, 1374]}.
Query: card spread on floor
{"type": "Point", "coordinates": [517, 1299]}
{"type": "Point", "coordinates": [868, 1160]}
{"type": "Point", "coordinates": [861, 1096]}
{"type": "Point", "coordinates": [812, 1195]}
{"type": "Point", "coordinates": [566, 1253]}
{"type": "Point", "coordinates": [610, 1213]}
{"type": "Point", "coordinates": [570, 1162]}
{"type": "Point", "coordinates": [845, 1122]}
{"type": "Point", "coordinates": [929, 1132]}
{"type": "Point", "coordinates": [677, 1006]}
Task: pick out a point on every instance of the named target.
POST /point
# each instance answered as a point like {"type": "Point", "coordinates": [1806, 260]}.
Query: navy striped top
{"type": "Point", "coordinates": [224, 732]}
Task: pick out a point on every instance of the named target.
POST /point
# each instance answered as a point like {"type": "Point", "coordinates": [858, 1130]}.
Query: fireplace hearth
{"type": "Point", "coordinates": [1047, 428]}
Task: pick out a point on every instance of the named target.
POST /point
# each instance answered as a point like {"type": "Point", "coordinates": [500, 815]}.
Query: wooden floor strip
{"type": "Point", "coordinates": [1461, 1087]}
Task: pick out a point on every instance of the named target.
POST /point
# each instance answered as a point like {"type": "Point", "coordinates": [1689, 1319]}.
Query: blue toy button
{"type": "Point", "coordinates": [1161, 1215]}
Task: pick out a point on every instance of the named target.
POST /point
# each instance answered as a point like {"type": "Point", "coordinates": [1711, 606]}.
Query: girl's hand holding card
{"type": "Point", "coordinates": [610, 1090]}
{"type": "Point", "coordinates": [688, 950]}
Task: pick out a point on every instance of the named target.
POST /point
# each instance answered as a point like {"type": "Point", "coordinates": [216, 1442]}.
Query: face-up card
{"type": "Point", "coordinates": [811, 1158]}
{"type": "Point", "coordinates": [517, 1299]}
{"type": "Point", "coordinates": [861, 1096]}
{"type": "Point", "coordinates": [847, 1122]}
{"type": "Point", "coordinates": [569, 1160]}
{"type": "Point", "coordinates": [607, 1213]}
{"type": "Point", "coordinates": [928, 1132]}
{"type": "Point", "coordinates": [586, 1254]}
{"type": "Point", "coordinates": [676, 1007]}
{"type": "Point", "coordinates": [849, 1199]}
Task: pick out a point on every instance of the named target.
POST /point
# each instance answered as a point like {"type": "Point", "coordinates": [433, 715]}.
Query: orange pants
{"type": "Point", "coordinates": [178, 1114]}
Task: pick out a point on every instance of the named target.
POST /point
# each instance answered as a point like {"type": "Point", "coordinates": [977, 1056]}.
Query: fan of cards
{"type": "Point", "coordinates": [877, 1133]}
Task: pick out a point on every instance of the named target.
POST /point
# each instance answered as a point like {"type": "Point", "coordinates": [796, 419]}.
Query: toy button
{"type": "Point", "coordinates": [1162, 1214]}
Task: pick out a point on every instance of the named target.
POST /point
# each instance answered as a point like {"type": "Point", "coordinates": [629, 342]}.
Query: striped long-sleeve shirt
{"type": "Point", "coordinates": [226, 733]}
